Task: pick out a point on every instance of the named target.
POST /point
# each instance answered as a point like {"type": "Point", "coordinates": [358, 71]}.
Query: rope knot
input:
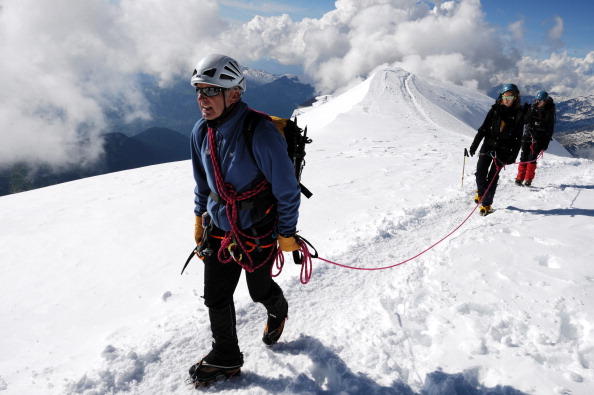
{"type": "Point", "coordinates": [230, 194]}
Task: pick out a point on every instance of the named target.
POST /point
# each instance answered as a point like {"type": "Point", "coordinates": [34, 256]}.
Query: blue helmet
{"type": "Point", "coordinates": [509, 87]}
{"type": "Point", "coordinates": [542, 95]}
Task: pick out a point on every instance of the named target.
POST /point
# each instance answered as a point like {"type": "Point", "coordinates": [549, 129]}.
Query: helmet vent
{"type": "Point", "coordinates": [233, 70]}
{"type": "Point", "coordinates": [209, 73]}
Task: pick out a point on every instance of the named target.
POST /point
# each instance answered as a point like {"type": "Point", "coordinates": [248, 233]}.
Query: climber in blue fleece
{"type": "Point", "coordinates": [246, 205]}
{"type": "Point", "coordinates": [244, 166]}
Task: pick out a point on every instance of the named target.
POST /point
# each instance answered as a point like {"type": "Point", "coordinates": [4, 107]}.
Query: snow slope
{"type": "Point", "coordinates": [93, 302]}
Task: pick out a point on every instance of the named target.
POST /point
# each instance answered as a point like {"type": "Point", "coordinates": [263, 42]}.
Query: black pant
{"type": "Point", "coordinates": [220, 282]}
{"type": "Point", "coordinates": [528, 153]}
{"type": "Point", "coordinates": [486, 174]}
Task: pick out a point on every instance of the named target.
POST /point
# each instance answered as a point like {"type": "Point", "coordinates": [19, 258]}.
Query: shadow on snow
{"type": "Point", "coordinates": [331, 375]}
{"type": "Point", "coordinates": [572, 212]}
{"type": "Point", "coordinates": [564, 186]}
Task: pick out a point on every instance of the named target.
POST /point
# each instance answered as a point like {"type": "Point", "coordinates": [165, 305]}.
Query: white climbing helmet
{"type": "Point", "coordinates": [219, 70]}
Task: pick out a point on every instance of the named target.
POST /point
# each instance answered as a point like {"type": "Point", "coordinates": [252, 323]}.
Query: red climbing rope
{"type": "Point", "coordinates": [305, 261]}
{"type": "Point", "coordinates": [498, 169]}
{"type": "Point", "coordinates": [232, 243]}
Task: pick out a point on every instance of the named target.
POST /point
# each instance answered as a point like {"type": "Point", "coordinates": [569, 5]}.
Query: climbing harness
{"type": "Point", "coordinates": [232, 244]}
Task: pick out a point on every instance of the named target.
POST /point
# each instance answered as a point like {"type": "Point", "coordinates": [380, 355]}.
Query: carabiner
{"type": "Point", "coordinates": [232, 248]}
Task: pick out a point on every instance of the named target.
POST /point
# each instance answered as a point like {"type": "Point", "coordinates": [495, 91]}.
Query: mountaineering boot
{"type": "Point", "coordinates": [225, 359]}
{"type": "Point", "coordinates": [485, 210]}
{"type": "Point", "coordinates": [278, 310]}
{"type": "Point", "coordinates": [519, 182]}
{"type": "Point", "coordinates": [273, 331]}
{"type": "Point", "coordinates": [528, 183]}
{"type": "Point", "coordinates": [211, 369]}
{"type": "Point", "coordinates": [477, 198]}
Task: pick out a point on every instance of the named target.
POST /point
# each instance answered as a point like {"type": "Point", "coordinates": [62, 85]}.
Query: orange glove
{"type": "Point", "coordinates": [287, 244]}
{"type": "Point", "coordinates": [198, 230]}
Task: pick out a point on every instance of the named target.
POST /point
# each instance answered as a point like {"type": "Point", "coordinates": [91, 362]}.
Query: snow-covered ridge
{"type": "Point", "coordinates": [261, 77]}
{"type": "Point", "coordinates": [446, 105]}
{"type": "Point", "coordinates": [440, 105]}
{"type": "Point", "coordinates": [576, 113]}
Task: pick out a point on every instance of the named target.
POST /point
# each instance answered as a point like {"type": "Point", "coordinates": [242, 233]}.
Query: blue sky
{"type": "Point", "coordinates": [539, 17]}
{"type": "Point", "coordinates": [245, 10]}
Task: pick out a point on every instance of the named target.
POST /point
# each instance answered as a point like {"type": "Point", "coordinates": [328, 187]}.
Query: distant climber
{"type": "Point", "coordinates": [502, 135]}
{"type": "Point", "coordinates": [538, 132]}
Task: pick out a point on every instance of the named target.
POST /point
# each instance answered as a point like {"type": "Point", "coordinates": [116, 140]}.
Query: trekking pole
{"type": "Point", "coordinates": [464, 165]}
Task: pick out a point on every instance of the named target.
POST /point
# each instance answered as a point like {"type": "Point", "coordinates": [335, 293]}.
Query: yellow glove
{"type": "Point", "coordinates": [198, 230]}
{"type": "Point", "coordinates": [287, 244]}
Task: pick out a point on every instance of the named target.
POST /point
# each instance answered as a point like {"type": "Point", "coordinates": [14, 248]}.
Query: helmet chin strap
{"type": "Point", "coordinates": [225, 108]}
{"type": "Point", "coordinates": [226, 111]}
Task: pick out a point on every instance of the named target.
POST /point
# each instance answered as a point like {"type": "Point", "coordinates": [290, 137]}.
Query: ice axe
{"type": "Point", "coordinates": [464, 165]}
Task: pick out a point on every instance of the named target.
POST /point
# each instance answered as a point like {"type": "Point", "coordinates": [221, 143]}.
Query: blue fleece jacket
{"type": "Point", "coordinates": [241, 168]}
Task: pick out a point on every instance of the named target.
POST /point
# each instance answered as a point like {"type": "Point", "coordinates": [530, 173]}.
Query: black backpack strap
{"type": "Point", "coordinates": [306, 192]}
{"type": "Point", "coordinates": [249, 127]}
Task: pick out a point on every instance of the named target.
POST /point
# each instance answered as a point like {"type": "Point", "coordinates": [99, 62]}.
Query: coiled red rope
{"type": "Point", "coordinates": [306, 261]}
{"type": "Point", "coordinates": [232, 242]}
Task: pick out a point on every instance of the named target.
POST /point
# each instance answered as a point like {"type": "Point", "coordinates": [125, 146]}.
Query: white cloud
{"type": "Point", "coordinates": [556, 32]}
{"type": "Point", "coordinates": [71, 60]}
{"type": "Point", "coordinates": [353, 39]}
{"type": "Point", "coordinates": [450, 41]}
{"type": "Point", "coordinates": [561, 74]}
{"type": "Point", "coordinates": [517, 30]}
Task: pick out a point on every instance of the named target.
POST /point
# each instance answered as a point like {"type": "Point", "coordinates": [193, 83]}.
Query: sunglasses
{"type": "Point", "coordinates": [210, 91]}
{"type": "Point", "coordinates": [508, 97]}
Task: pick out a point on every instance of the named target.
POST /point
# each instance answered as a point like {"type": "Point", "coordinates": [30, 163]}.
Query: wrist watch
{"type": "Point", "coordinates": [287, 235]}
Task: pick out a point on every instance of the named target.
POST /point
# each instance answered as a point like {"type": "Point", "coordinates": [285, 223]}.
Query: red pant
{"type": "Point", "coordinates": [526, 171]}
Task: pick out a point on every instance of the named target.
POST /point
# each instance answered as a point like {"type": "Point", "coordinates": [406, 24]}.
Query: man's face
{"type": "Point", "coordinates": [212, 107]}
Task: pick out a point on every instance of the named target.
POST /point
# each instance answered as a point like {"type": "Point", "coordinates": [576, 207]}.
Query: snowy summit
{"type": "Point", "coordinates": [93, 302]}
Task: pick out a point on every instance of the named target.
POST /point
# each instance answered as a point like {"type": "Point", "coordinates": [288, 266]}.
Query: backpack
{"type": "Point", "coordinates": [541, 120]}
{"type": "Point", "coordinates": [295, 136]}
{"type": "Point", "coordinates": [552, 110]}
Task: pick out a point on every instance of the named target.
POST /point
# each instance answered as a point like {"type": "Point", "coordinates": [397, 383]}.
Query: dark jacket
{"type": "Point", "coordinates": [242, 169]}
{"type": "Point", "coordinates": [502, 132]}
{"type": "Point", "coordinates": [540, 125]}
